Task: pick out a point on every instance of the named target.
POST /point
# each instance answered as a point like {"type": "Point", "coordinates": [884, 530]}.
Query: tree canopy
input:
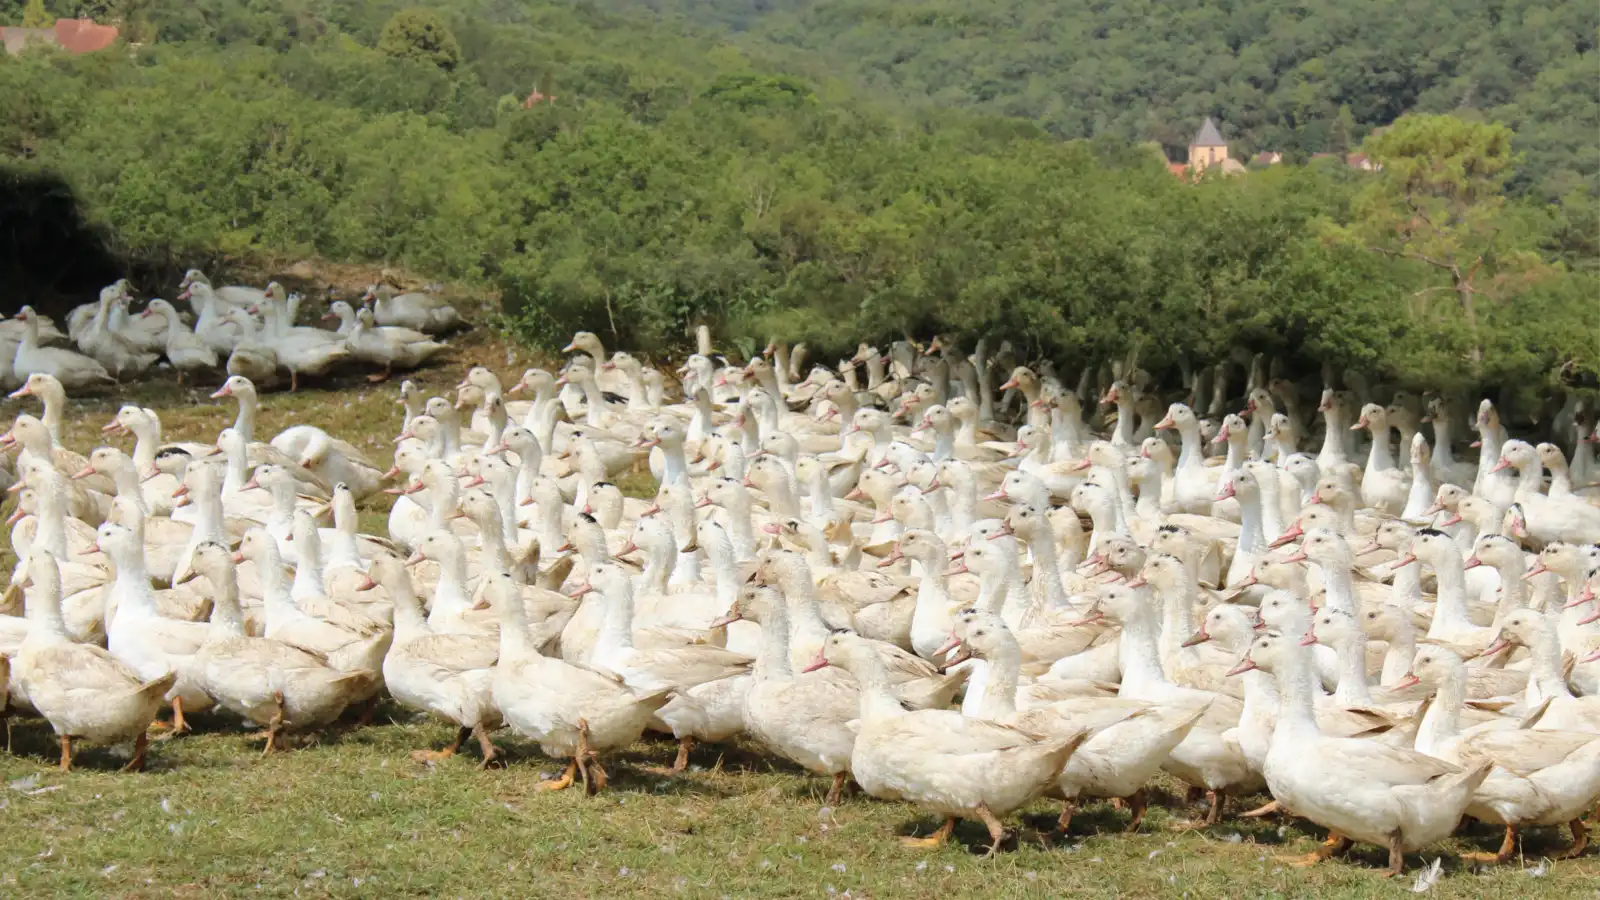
{"type": "Point", "coordinates": [420, 35]}
{"type": "Point", "coordinates": [635, 178]}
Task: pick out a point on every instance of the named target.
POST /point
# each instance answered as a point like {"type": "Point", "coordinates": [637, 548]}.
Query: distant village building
{"type": "Point", "coordinates": [536, 98]}
{"type": "Point", "coordinates": [1207, 151]}
{"type": "Point", "coordinates": [71, 35]}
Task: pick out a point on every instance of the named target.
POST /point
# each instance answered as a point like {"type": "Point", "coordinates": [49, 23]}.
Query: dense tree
{"type": "Point", "coordinates": [34, 15]}
{"type": "Point", "coordinates": [421, 36]}
{"type": "Point", "coordinates": [663, 177]}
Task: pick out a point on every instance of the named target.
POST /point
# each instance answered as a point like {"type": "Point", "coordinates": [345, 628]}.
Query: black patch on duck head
{"type": "Point", "coordinates": [1431, 532]}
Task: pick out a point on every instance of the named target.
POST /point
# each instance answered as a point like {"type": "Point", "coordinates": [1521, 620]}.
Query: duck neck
{"type": "Point", "coordinates": [1177, 619]}
{"type": "Point", "coordinates": [1402, 646]}
{"type": "Point", "coordinates": [1544, 652]}
{"type": "Point", "coordinates": [1444, 455]}
{"type": "Point", "coordinates": [962, 503]}
{"type": "Point", "coordinates": [1406, 592]}
{"type": "Point", "coordinates": [1421, 494]}
{"type": "Point", "coordinates": [1450, 612]}
{"type": "Point", "coordinates": [133, 579]}
{"type": "Point", "coordinates": [944, 442]}
{"type": "Point", "coordinates": [1338, 588]}
{"type": "Point", "coordinates": [409, 623]}
{"type": "Point", "coordinates": [450, 596]}
{"type": "Point", "coordinates": [1442, 721]}
{"type": "Point", "coordinates": [1139, 654]}
{"type": "Point", "coordinates": [1333, 438]}
{"type": "Point", "coordinates": [1511, 572]}
{"type": "Point", "coordinates": [490, 534]}
{"type": "Point", "coordinates": [237, 472]}
{"type": "Point", "coordinates": [1297, 718]}
{"type": "Point", "coordinates": [516, 643]}
{"type": "Point", "coordinates": [54, 404]}
{"type": "Point", "coordinates": [1352, 689]}
{"type": "Point", "coordinates": [772, 664]}
{"type": "Point", "coordinates": [658, 568]}
{"type": "Point", "coordinates": [51, 529]}
{"type": "Point", "coordinates": [616, 629]}
{"type": "Point", "coordinates": [878, 703]}
{"type": "Point", "coordinates": [806, 626]}
{"type": "Point", "coordinates": [1047, 566]}
{"type": "Point", "coordinates": [227, 619]}
{"type": "Point", "coordinates": [1530, 478]}
{"type": "Point", "coordinates": [1251, 535]}
{"type": "Point", "coordinates": [45, 624]}
{"type": "Point", "coordinates": [308, 580]}
{"type": "Point", "coordinates": [1000, 689]}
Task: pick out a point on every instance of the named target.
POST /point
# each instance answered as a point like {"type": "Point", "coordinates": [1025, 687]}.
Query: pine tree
{"type": "Point", "coordinates": [34, 15]}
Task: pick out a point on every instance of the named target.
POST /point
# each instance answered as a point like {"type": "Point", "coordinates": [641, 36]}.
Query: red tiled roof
{"type": "Point", "coordinates": [84, 35]}
{"type": "Point", "coordinates": [72, 35]}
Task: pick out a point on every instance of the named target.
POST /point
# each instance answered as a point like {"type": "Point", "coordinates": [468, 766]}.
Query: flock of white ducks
{"type": "Point", "coordinates": [242, 330]}
{"type": "Point", "coordinates": [864, 570]}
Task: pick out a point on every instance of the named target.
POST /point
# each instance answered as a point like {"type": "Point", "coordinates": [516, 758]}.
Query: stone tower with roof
{"type": "Point", "coordinates": [1208, 148]}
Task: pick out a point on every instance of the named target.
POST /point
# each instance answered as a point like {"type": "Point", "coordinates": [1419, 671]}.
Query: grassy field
{"type": "Point", "coordinates": [352, 815]}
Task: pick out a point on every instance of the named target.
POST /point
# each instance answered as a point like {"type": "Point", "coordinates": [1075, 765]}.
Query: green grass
{"type": "Point", "coordinates": [352, 815]}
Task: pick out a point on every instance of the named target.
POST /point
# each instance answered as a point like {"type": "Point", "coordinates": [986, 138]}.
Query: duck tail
{"type": "Point", "coordinates": [157, 687]}
{"type": "Point", "coordinates": [1457, 787]}
{"type": "Point", "coordinates": [358, 679]}
{"type": "Point", "coordinates": [1060, 750]}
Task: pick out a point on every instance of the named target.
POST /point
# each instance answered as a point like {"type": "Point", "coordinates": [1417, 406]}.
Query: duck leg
{"type": "Point", "coordinates": [141, 745]}
{"type": "Point", "coordinates": [1266, 810]}
{"type": "Point", "coordinates": [997, 829]}
{"type": "Point", "coordinates": [1580, 840]}
{"type": "Point", "coordinates": [1219, 799]}
{"type": "Point", "coordinates": [934, 840]}
{"type": "Point", "coordinates": [385, 375]}
{"type": "Point", "coordinates": [274, 725]}
{"type": "Point", "coordinates": [294, 381]}
{"type": "Point", "coordinates": [491, 756]}
{"type": "Point", "coordinates": [836, 793]}
{"type": "Point", "coordinates": [1333, 846]}
{"type": "Point", "coordinates": [369, 709]}
{"type": "Point", "coordinates": [1508, 849]}
{"type": "Point", "coordinates": [66, 753]}
{"type": "Point", "coordinates": [562, 783]}
{"type": "Point", "coordinates": [594, 777]}
{"type": "Point", "coordinates": [1397, 857]}
{"type": "Point", "coordinates": [462, 734]}
{"type": "Point", "coordinates": [681, 763]}
{"type": "Point", "coordinates": [1064, 821]}
{"type": "Point", "coordinates": [179, 724]}
{"type": "Point", "coordinates": [1138, 802]}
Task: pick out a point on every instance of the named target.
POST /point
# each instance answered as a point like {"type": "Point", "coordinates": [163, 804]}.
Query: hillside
{"type": "Point", "coordinates": [601, 171]}
{"type": "Point", "coordinates": [1279, 75]}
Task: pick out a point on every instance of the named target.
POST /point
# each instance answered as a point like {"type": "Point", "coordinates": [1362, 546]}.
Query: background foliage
{"type": "Point", "coordinates": [670, 175]}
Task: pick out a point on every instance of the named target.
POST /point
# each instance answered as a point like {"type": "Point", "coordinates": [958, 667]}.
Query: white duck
{"type": "Point", "coordinates": [413, 309]}
{"type": "Point", "coordinates": [939, 759]}
{"type": "Point", "coordinates": [1360, 790]}
{"type": "Point", "coordinates": [74, 370]}
{"type": "Point", "coordinates": [84, 692]}
{"type": "Point", "coordinates": [185, 350]}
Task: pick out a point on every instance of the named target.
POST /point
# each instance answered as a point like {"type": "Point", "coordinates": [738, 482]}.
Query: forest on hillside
{"type": "Point", "coordinates": [665, 176]}
{"type": "Point", "coordinates": [1278, 74]}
